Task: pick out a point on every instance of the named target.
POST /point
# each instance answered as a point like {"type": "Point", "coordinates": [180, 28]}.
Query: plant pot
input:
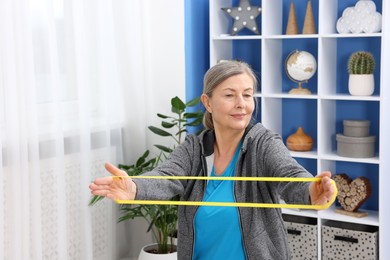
{"type": "Point", "coordinates": [145, 255]}
{"type": "Point", "coordinates": [173, 240]}
{"type": "Point", "coordinates": [361, 84]}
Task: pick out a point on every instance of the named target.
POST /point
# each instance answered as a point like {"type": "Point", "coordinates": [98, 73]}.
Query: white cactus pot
{"type": "Point", "coordinates": [361, 84]}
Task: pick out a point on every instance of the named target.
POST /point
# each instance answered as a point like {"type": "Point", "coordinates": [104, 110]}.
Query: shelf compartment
{"type": "Point", "coordinates": [276, 14]}
{"type": "Point", "coordinates": [275, 53]}
{"type": "Point", "coordinates": [302, 236]}
{"type": "Point", "coordinates": [223, 23]}
{"type": "Point", "coordinates": [332, 10]}
{"type": "Point", "coordinates": [309, 164]}
{"type": "Point", "coordinates": [284, 116]}
{"type": "Point", "coordinates": [341, 240]}
{"type": "Point", "coordinates": [245, 50]}
{"type": "Point", "coordinates": [355, 170]}
{"type": "Point", "coordinates": [299, 113]}
{"type": "Point", "coordinates": [331, 116]}
{"type": "Point", "coordinates": [333, 70]}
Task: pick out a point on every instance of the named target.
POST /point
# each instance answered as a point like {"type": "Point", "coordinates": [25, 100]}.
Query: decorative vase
{"type": "Point", "coordinates": [361, 84]}
{"type": "Point", "coordinates": [300, 141]}
{"type": "Point", "coordinates": [146, 255]}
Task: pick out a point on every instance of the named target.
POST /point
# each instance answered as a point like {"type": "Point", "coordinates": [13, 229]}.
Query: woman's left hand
{"type": "Point", "coordinates": [322, 192]}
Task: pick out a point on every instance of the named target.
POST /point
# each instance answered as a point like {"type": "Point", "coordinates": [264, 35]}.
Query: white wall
{"type": "Point", "coordinates": [165, 64]}
{"type": "Point", "coordinates": [156, 55]}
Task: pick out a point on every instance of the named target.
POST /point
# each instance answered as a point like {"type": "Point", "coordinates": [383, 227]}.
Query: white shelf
{"type": "Point", "coordinates": [372, 219]}
{"type": "Point", "coordinates": [309, 154]}
{"type": "Point", "coordinates": [327, 96]}
{"type": "Point", "coordinates": [287, 96]}
{"type": "Point", "coordinates": [351, 98]}
{"type": "Point", "coordinates": [324, 97]}
{"type": "Point", "coordinates": [229, 37]}
{"type": "Point", "coordinates": [335, 157]}
{"type": "Point", "coordinates": [298, 36]}
{"type": "Point", "coordinates": [351, 35]}
{"type": "Point", "coordinates": [304, 213]}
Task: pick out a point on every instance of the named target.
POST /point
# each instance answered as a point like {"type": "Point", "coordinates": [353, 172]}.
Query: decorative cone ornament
{"type": "Point", "coordinates": [292, 25]}
{"type": "Point", "coordinates": [309, 26]}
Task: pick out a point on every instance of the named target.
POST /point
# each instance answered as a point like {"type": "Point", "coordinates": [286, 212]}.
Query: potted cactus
{"type": "Point", "coordinates": [361, 65]}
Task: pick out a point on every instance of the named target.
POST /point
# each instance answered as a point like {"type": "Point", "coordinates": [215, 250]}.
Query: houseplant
{"type": "Point", "coordinates": [361, 65]}
{"type": "Point", "coordinates": [162, 219]}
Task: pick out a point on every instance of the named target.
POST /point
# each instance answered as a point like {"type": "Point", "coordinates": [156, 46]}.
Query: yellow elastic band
{"type": "Point", "coordinates": [230, 204]}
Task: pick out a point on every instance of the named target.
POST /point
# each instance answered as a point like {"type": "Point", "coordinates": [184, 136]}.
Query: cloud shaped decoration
{"type": "Point", "coordinates": [361, 18]}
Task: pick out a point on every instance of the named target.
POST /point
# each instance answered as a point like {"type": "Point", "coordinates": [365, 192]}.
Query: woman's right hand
{"type": "Point", "coordinates": [114, 188]}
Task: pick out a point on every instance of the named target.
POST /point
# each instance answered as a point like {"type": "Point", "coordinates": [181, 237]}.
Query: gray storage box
{"type": "Point", "coordinates": [342, 240]}
{"type": "Point", "coordinates": [302, 236]}
{"type": "Point", "coordinates": [356, 128]}
{"type": "Point", "coordinates": [356, 147]}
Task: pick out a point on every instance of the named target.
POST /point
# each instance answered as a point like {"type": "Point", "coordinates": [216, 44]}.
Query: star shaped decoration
{"type": "Point", "coordinates": [244, 16]}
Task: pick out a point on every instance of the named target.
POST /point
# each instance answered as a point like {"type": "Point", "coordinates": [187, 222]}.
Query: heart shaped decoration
{"type": "Point", "coordinates": [352, 194]}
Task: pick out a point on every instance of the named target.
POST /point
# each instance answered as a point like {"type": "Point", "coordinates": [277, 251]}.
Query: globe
{"type": "Point", "coordinates": [300, 67]}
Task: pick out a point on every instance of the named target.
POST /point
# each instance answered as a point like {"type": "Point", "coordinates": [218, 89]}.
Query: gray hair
{"type": "Point", "coordinates": [220, 72]}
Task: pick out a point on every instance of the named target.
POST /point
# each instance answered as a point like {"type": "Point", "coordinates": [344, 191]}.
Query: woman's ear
{"type": "Point", "coordinates": [206, 102]}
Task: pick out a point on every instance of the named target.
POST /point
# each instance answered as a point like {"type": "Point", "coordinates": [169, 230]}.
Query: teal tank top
{"type": "Point", "coordinates": [217, 229]}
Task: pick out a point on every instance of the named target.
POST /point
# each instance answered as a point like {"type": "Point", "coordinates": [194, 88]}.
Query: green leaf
{"type": "Point", "coordinates": [194, 115]}
{"type": "Point", "coordinates": [124, 167]}
{"type": "Point", "coordinates": [145, 154]}
{"type": "Point", "coordinates": [193, 102]}
{"type": "Point", "coordinates": [125, 217]}
{"type": "Point", "coordinates": [177, 103]}
{"type": "Point", "coordinates": [151, 225]}
{"type": "Point", "coordinates": [167, 124]}
{"type": "Point", "coordinates": [159, 131]}
{"type": "Point", "coordinates": [162, 116]}
{"type": "Point", "coordinates": [182, 131]}
{"type": "Point", "coordinates": [163, 148]}
{"type": "Point", "coordinates": [95, 199]}
{"type": "Point", "coordinates": [140, 161]}
{"type": "Point", "coordinates": [171, 217]}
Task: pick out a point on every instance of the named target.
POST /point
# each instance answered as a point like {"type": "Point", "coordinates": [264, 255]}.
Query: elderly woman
{"type": "Point", "coordinates": [230, 146]}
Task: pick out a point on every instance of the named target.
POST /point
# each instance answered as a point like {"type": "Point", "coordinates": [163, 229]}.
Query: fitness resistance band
{"type": "Point", "coordinates": [230, 204]}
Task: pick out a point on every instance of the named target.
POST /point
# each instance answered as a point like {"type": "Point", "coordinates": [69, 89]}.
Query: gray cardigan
{"type": "Point", "coordinates": [262, 154]}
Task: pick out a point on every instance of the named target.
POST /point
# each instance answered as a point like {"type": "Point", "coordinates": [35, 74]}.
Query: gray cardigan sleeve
{"type": "Point", "coordinates": [279, 163]}
{"type": "Point", "coordinates": [178, 164]}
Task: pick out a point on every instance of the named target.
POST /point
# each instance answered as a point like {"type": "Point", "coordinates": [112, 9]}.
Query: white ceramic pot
{"type": "Point", "coordinates": [361, 84]}
{"type": "Point", "coordinates": [144, 255]}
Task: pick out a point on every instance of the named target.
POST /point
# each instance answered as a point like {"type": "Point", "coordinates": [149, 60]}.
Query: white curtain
{"type": "Point", "coordinates": [79, 80]}
{"type": "Point", "coordinates": [62, 75]}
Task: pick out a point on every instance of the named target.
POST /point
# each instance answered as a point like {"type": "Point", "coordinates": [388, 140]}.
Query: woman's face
{"type": "Point", "coordinates": [232, 103]}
